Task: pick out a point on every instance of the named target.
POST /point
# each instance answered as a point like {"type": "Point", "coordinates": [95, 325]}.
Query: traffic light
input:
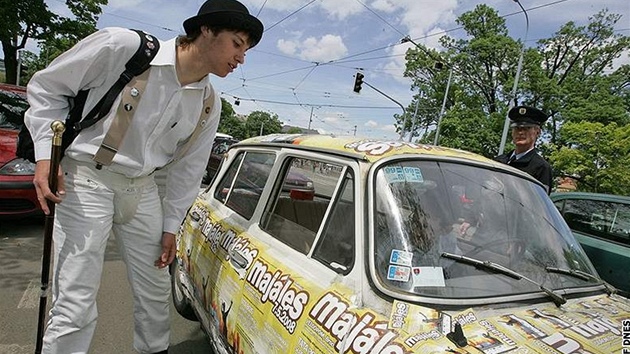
{"type": "Point", "coordinates": [358, 81]}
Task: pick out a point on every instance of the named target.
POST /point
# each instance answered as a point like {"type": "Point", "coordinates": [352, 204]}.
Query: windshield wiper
{"type": "Point", "coordinates": [497, 268]}
{"type": "Point", "coordinates": [582, 275]}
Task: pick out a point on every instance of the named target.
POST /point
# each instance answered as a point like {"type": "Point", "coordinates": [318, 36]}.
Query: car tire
{"type": "Point", "coordinates": [180, 301]}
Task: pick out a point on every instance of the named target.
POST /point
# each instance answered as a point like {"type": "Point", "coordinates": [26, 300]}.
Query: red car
{"type": "Point", "coordinates": [17, 193]}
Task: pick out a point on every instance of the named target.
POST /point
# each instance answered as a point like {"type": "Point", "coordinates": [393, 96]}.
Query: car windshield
{"type": "Point", "coordinates": [425, 208]}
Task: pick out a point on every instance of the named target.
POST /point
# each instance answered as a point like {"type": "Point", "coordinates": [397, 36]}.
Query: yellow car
{"type": "Point", "coordinates": [399, 248]}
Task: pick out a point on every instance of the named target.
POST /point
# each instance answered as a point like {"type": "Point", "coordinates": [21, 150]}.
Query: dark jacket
{"type": "Point", "coordinates": [531, 163]}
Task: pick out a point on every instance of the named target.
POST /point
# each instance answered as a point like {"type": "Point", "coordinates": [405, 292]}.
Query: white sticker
{"type": "Point", "coordinates": [398, 273]}
{"type": "Point", "coordinates": [413, 174]}
{"type": "Point", "coordinates": [394, 174]}
{"type": "Point", "coordinates": [399, 174]}
{"type": "Point", "coordinates": [401, 257]}
{"type": "Point", "coordinates": [428, 276]}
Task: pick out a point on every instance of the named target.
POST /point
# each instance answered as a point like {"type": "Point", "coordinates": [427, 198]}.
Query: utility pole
{"type": "Point", "coordinates": [355, 130]}
{"type": "Point", "coordinates": [310, 119]}
{"type": "Point", "coordinates": [437, 129]}
{"type": "Point", "coordinates": [261, 128]}
{"type": "Point", "coordinates": [512, 103]}
{"type": "Point", "coordinates": [415, 117]}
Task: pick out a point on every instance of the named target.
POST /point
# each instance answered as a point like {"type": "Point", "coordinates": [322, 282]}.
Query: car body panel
{"type": "Point", "coordinates": [18, 197]}
{"type": "Point", "coordinates": [255, 292]}
{"type": "Point", "coordinates": [609, 251]}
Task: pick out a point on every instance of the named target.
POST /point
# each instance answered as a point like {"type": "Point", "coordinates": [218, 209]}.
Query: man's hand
{"type": "Point", "coordinates": [168, 250]}
{"type": "Point", "coordinates": [42, 170]}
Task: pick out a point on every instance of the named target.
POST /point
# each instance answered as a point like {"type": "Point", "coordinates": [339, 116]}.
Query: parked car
{"type": "Point", "coordinates": [601, 223]}
{"type": "Point", "coordinates": [404, 248]}
{"type": "Point", "coordinates": [17, 192]}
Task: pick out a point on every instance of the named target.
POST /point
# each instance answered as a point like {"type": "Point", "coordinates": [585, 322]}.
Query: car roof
{"type": "Point", "coordinates": [222, 135]}
{"type": "Point", "coordinates": [368, 149]}
{"type": "Point", "coordinates": [592, 196]}
{"type": "Point", "coordinates": [21, 90]}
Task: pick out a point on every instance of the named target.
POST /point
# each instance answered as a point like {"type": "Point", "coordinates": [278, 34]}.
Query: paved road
{"type": "Point", "coordinates": [20, 266]}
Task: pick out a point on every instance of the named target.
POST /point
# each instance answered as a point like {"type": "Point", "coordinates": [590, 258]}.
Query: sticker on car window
{"type": "Point", "coordinates": [398, 273]}
{"type": "Point", "coordinates": [427, 276]}
{"type": "Point", "coordinates": [401, 257]}
{"type": "Point", "coordinates": [399, 174]}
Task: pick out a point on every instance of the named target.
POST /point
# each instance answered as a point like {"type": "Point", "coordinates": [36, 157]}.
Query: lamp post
{"type": "Point", "coordinates": [448, 86]}
{"type": "Point", "coordinates": [506, 124]}
{"type": "Point", "coordinates": [19, 66]}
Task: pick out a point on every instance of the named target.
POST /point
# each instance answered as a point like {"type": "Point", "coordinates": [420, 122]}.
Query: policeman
{"type": "Point", "coordinates": [525, 123]}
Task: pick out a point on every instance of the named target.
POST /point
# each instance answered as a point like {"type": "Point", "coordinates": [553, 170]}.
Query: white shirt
{"type": "Point", "coordinates": [165, 117]}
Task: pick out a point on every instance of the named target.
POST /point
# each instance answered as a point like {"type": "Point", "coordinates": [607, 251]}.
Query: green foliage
{"type": "Point", "coordinates": [21, 20]}
{"type": "Point", "coordinates": [229, 123]}
{"type": "Point", "coordinates": [258, 121]}
{"type": "Point", "coordinates": [597, 155]}
{"type": "Point", "coordinates": [294, 130]}
{"type": "Point", "coordinates": [569, 75]}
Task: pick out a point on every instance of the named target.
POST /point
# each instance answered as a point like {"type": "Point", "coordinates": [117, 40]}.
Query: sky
{"type": "Point", "coordinates": [303, 69]}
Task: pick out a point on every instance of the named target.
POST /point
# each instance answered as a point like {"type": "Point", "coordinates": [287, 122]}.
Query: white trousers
{"type": "Point", "coordinates": [98, 202]}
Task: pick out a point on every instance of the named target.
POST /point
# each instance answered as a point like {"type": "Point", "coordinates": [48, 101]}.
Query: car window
{"type": "Point", "coordinates": [12, 108]}
{"type": "Point", "coordinates": [335, 247]}
{"type": "Point", "coordinates": [295, 213]}
{"type": "Point", "coordinates": [600, 218]}
{"type": "Point", "coordinates": [241, 186]}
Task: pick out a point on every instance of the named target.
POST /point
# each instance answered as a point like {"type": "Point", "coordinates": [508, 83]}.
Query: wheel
{"type": "Point", "coordinates": [181, 302]}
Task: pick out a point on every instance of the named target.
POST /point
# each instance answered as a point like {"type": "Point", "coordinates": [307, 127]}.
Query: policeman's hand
{"type": "Point", "coordinates": [168, 250]}
{"type": "Point", "coordinates": [42, 187]}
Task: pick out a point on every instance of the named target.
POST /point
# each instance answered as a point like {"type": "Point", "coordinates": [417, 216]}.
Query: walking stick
{"type": "Point", "coordinates": [55, 157]}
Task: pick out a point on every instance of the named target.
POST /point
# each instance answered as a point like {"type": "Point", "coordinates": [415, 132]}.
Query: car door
{"type": "Point", "coordinates": [603, 229]}
{"type": "Point", "coordinates": [298, 251]}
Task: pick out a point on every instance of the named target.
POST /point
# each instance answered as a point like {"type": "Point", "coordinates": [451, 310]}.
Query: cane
{"type": "Point", "coordinates": [55, 157]}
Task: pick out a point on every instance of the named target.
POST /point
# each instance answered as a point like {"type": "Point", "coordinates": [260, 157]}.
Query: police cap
{"type": "Point", "coordinates": [525, 116]}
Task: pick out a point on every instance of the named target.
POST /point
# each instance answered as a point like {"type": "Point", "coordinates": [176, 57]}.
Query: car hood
{"type": "Point", "coordinates": [8, 144]}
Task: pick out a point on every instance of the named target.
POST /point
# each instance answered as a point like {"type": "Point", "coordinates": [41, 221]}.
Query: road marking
{"type": "Point", "coordinates": [30, 298]}
{"type": "Point", "coordinates": [16, 349]}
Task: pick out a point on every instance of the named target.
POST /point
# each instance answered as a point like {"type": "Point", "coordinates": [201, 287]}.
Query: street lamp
{"type": "Point", "coordinates": [448, 86]}
{"type": "Point", "coordinates": [506, 125]}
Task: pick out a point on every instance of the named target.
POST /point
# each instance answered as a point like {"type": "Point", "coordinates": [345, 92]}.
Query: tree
{"type": "Point", "coordinates": [597, 155]}
{"type": "Point", "coordinates": [483, 69]}
{"type": "Point", "coordinates": [570, 76]}
{"type": "Point", "coordinates": [259, 121]}
{"type": "Point", "coordinates": [229, 123]}
{"type": "Point", "coordinates": [21, 20]}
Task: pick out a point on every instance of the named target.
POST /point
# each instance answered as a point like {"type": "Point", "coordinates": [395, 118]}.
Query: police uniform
{"type": "Point", "coordinates": [531, 162]}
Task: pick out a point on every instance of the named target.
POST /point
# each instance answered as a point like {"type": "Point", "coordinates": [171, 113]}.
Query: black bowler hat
{"type": "Point", "coordinates": [525, 116]}
{"type": "Point", "coordinates": [228, 13]}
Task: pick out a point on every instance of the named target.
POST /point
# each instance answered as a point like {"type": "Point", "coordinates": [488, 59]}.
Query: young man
{"type": "Point", "coordinates": [123, 197]}
{"type": "Point", "coordinates": [525, 124]}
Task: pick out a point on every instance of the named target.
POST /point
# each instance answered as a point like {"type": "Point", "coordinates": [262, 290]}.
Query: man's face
{"type": "Point", "coordinates": [524, 138]}
{"type": "Point", "coordinates": [223, 52]}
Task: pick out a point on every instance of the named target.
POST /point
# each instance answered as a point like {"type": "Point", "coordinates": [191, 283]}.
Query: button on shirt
{"type": "Point", "coordinates": [164, 119]}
